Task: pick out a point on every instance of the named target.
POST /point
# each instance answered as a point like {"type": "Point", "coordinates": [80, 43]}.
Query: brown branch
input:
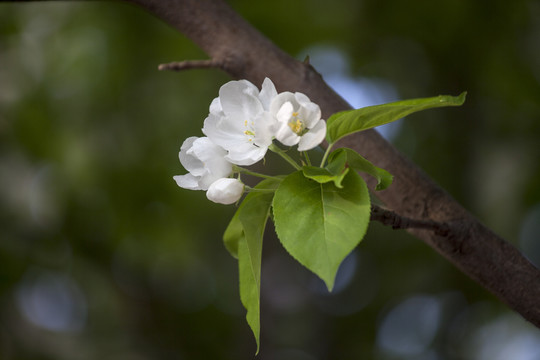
{"type": "Point", "coordinates": [191, 64]}
{"type": "Point", "coordinates": [390, 218]}
{"type": "Point", "coordinates": [470, 246]}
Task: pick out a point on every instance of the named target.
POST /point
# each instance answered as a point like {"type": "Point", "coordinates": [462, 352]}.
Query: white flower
{"type": "Point", "coordinates": [299, 120]}
{"type": "Point", "coordinates": [205, 162]}
{"type": "Point", "coordinates": [239, 121]}
{"type": "Point", "coordinates": [225, 191]}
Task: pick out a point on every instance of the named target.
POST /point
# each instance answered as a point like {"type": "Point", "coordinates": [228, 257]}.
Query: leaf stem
{"type": "Point", "coordinates": [242, 170]}
{"type": "Point", "coordinates": [282, 153]}
{"type": "Point", "coordinates": [306, 156]}
{"type": "Point", "coordinates": [326, 153]}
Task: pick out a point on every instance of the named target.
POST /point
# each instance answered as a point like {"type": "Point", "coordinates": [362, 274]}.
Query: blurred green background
{"type": "Point", "coordinates": [102, 256]}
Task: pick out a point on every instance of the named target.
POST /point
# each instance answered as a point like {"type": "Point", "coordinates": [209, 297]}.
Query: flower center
{"type": "Point", "coordinates": [249, 130]}
{"type": "Point", "coordinates": [297, 125]}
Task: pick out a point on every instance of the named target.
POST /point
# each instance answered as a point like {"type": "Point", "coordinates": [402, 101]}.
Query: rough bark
{"type": "Point", "coordinates": [240, 50]}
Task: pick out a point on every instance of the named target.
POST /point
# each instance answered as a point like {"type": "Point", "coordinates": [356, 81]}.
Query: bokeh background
{"type": "Point", "coordinates": [102, 256]}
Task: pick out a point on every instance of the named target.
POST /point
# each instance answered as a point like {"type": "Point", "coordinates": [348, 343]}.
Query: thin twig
{"type": "Point", "coordinates": [191, 64]}
{"type": "Point", "coordinates": [396, 221]}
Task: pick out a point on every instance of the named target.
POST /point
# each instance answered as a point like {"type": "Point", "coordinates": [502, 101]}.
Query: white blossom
{"type": "Point", "coordinates": [225, 191]}
{"type": "Point", "coordinates": [205, 162]}
{"type": "Point", "coordinates": [299, 121]}
{"type": "Point", "coordinates": [239, 121]}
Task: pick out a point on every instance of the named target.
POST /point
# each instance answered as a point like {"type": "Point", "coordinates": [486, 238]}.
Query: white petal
{"type": "Point", "coordinates": [286, 136]}
{"type": "Point", "coordinates": [268, 93]}
{"type": "Point", "coordinates": [188, 161]}
{"type": "Point", "coordinates": [219, 130]}
{"type": "Point", "coordinates": [225, 191]}
{"type": "Point", "coordinates": [215, 107]}
{"type": "Point", "coordinates": [187, 181]}
{"type": "Point", "coordinates": [313, 137]}
{"type": "Point", "coordinates": [281, 99]}
{"type": "Point", "coordinates": [240, 101]}
{"type": "Point", "coordinates": [213, 158]}
{"type": "Point", "coordinates": [285, 113]}
{"type": "Point", "coordinates": [246, 155]}
{"type": "Point", "coordinates": [207, 180]}
{"type": "Point", "coordinates": [210, 124]}
{"type": "Point", "coordinates": [265, 129]}
{"type": "Point", "coordinates": [204, 149]}
{"type": "Point", "coordinates": [249, 88]}
{"type": "Point", "coordinates": [217, 168]}
{"type": "Point", "coordinates": [302, 98]}
{"type": "Point", "coordinates": [309, 112]}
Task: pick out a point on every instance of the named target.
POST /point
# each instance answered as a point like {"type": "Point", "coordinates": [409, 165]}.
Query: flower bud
{"type": "Point", "coordinates": [225, 191]}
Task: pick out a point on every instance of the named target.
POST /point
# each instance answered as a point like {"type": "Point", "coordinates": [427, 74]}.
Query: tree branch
{"type": "Point", "coordinates": [390, 218]}
{"type": "Point", "coordinates": [469, 245]}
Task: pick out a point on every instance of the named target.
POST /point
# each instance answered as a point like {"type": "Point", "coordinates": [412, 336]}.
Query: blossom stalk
{"type": "Point", "coordinates": [274, 148]}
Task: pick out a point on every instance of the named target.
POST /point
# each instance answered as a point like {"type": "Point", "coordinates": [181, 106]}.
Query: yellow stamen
{"type": "Point", "coordinates": [297, 126]}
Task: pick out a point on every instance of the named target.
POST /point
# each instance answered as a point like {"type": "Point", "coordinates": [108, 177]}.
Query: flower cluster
{"type": "Point", "coordinates": [241, 126]}
{"type": "Point", "coordinates": [328, 207]}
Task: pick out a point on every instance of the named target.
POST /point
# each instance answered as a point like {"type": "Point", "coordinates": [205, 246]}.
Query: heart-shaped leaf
{"type": "Point", "coordinates": [320, 224]}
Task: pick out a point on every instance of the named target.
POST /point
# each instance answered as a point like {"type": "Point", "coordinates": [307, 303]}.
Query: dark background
{"type": "Point", "coordinates": [102, 256]}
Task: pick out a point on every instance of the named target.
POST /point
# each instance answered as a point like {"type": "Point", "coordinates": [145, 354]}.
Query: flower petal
{"type": "Point", "coordinates": [204, 149]}
{"type": "Point", "coordinates": [309, 112]}
{"type": "Point", "coordinates": [281, 99]}
{"type": "Point", "coordinates": [265, 129]}
{"type": "Point", "coordinates": [246, 154]}
{"type": "Point", "coordinates": [187, 181]}
{"type": "Point", "coordinates": [313, 137]}
{"type": "Point", "coordinates": [218, 129]}
{"type": "Point", "coordinates": [268, 93]}
{"type": "Point", "coordinates": [188, 161]}
{"type": "Point", "coordinates": [286, 136]}
{"type": "Point", "coordinates": [239, 101]}
{"type": "Point", "coordinates": [285, 112]}
{"type": "Point", "coordinates": [249, 88]}
{"type": "Point", "coordinates": [215, 107]}
{"type": "Point", "coordinates": [213, 158]}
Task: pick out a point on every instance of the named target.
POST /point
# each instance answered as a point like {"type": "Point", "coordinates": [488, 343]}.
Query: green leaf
{"type": "Point", "coordinates": [243, 238]}
{"type": "Point", "coordinates": [235, 231]}
{"type": "Point", "coordinates": [323, 175]}
{"type": "Point", "coordinates": [253, 217]}
{"type": "Point", "coordinates": [334, 172]}
{"type": "Point", "coordinates": [337, 164]}
{"type": "Point", "coordinates": [233, 234]}
{"type": "Point", "coordinates": [359, 163]}
{"type": "Point", "coordinates": [320, 224]}
{"type": "Point", "coordinates": [348, 122]}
